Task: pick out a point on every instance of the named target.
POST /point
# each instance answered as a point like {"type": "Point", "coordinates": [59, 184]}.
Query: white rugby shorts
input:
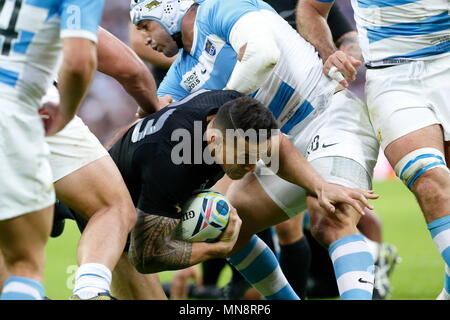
{"type": "Point", "coordinates": [26, 178]}
{"type": "Point", "coordinates": [408, 97]}
{"type": "Point", "coordinates": [73, 147]}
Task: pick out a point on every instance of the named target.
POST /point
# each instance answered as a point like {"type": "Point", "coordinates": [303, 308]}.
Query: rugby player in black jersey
{"type": "Point", "coordinates": [161, 176]}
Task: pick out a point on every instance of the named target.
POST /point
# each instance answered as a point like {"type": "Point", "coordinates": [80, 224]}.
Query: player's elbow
{"type": "Point", "coordinates": [80, 64]}
{"type": "Point", "coordinates": [270, 58]}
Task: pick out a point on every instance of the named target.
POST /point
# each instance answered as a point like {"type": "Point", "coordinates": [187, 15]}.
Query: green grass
{"type": "Point", "coordinates": [418, 276]}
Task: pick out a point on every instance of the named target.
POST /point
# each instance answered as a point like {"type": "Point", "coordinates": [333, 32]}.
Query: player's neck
{"type": "Point", "coordinates": [187, 27]}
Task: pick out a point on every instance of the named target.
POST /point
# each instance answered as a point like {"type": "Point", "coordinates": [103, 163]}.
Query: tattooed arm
{"type": "Point", "coordinates": [155, 246]}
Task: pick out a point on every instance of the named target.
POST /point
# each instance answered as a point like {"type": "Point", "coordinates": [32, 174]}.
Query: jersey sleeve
{"type": "Point", "coordinates": [229, 13]}
{"type": "Point", "coordinates": [171, 83]}
{"type": "Point", "coordinates": [80, 18]}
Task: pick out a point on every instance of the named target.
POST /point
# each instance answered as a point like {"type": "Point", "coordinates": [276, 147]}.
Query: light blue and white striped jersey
{"type": "Point", "coordinates": [31, 46]}
{"type": "Point", "coordinates": [402, 29]}
{"type": "Point", "coordinates": [296, 86]}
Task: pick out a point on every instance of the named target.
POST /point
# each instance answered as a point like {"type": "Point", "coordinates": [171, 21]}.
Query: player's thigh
{"type": "Point", "coordinates": [407, 112]}
{"type": "Point", "coordinates": [95, 186]}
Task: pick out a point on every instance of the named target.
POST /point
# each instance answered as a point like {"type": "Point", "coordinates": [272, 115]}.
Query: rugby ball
{"type": "Point", "coordinates": [205, 217]}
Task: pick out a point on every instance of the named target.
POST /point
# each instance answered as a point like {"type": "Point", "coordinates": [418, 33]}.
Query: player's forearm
{"type": "Point", "coordinates": [350, 45]}
{"type": "Point", "coordinates": [293, 167]}
{"type": "Point", "coordinates": [314, 28]}
{"type": "Point", "coordinates": [155, 248]}
{"type": "Point", "coordinates": [142, 87]}
{"type": "Point", "coordinates": [76, 74]}
{"type": "Point", "coordinates": [120, 62]}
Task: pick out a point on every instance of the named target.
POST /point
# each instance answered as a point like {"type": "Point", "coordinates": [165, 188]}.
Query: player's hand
{"type": "Point", "coordinates": [229, 237]}
{"type": "Point", "coordinates": [179, 286]}
{"type": "Point", "coordinates": [52, 118]}
{"type": "Point", "coordinates": [162, 103]}
{"type": "Point", "coordinates": [333, 194]}
{"type": "Point", "coordinates": [341, 67]}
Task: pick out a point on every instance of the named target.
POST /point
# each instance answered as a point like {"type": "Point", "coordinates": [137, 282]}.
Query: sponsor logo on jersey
{"type": "Point", "coordinates": [210, 48]}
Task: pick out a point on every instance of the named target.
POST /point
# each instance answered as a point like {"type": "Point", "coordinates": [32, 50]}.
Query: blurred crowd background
{"type": "Point", "coordinates": [107, 106]}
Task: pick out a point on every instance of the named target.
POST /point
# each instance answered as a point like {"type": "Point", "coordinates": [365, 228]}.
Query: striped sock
{"type": "Point", "coordinates": [440, 231]}
{"type": "Point", "coordinates": [259, 266]}
{"type": "Point", "coordinates": [354, 267]}
{"type": "Point", "coordinates": [20, 288]}
{"type": "Point", "coordinates": [92, 279]}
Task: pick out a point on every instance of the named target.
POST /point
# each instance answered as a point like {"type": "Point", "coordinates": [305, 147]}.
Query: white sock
{"type": "Point", "coordinates": [374, 247]}
{"type": "Point", "coordinates": [91, 279]}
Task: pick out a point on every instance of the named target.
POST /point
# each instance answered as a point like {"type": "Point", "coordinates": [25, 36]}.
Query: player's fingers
{"type": "Point", "coordinates": [326, 204]}
{"type": "Point", "coordinates": [356, 205]}
{"type": "Point", "coordinates": [336, 75]}
{"type": "Point", "coordinates": [363, 200]}
{"type": "Point", "coordinates": [355, 62]}
{"type": "Point", "coordinates": [343, 68]}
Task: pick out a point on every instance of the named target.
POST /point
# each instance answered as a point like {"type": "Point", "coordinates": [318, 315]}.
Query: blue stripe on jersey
{"type": "Point", "coordinates": [51, 5]}
{"type": "Point", "coordinates": [280, 99]}
{"type": "Point", "coordinates": [8, 77]}
{"type": "Point", "coordinates": [440, 48]}
{"type": "Point", "coordinates": [436, 23]}
{"type": "Point", "coordinates": [383, 3]}
{"type": "Point", "coordinates": [302, 112]}
{"type": "Point", "coordinates": [22, 44]}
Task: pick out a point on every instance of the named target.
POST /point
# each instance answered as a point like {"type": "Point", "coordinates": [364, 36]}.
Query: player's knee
{"type": "Point", "coordinates": [433, 187]}
{"type": "Point", "coordinates": [125, 212]}
{"type": "Point", "coordinates": [289, 231]}
{"type": "Point", "coordinates": [324, 231]}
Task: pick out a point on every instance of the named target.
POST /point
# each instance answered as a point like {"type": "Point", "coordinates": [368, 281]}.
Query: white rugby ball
{"type": "Point", "coordinates": [205, 216]}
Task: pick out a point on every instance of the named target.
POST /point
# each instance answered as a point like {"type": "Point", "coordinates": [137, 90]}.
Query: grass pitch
{"type": "Point", "coordinates": [419, 276]}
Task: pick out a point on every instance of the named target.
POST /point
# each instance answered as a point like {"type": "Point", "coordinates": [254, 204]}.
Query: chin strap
{"type": "Point", "coordinates": [177, 38]}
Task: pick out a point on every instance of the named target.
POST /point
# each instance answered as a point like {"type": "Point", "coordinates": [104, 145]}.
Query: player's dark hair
{"type": "Point", "coordinates": [245, 113]}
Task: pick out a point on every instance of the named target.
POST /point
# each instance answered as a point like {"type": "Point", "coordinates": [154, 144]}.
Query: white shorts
{"type": "Point", "coordinates": [73, 148]}
{"type": "Point", "coordinates": [408, 97]}
{"type": "Point", "coordinates": [339, 143]}
{"type": "Point", "coordinates": [26, 178]}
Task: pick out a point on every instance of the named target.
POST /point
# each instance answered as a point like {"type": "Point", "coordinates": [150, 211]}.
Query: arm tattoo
{"type": "Point", "coordinates": [154, 247]}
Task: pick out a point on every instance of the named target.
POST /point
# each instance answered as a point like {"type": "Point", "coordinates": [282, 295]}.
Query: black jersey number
{"type": "Point", "coordinates": [10, 32]}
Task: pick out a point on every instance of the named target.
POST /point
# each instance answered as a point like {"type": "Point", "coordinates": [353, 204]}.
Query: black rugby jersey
{"type": "Point", "coordinates": [145, 154]}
